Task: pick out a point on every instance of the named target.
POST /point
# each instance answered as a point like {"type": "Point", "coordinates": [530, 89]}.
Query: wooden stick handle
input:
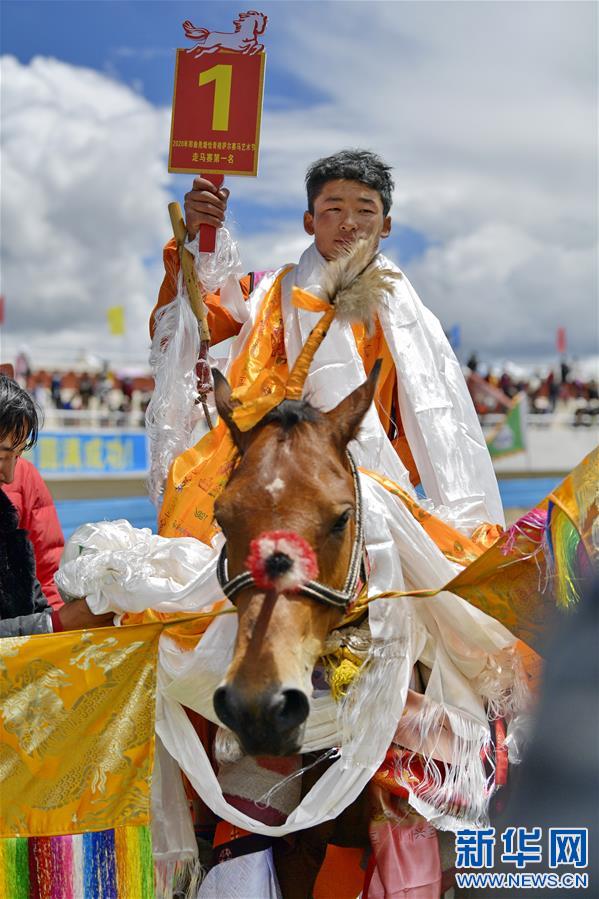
{"type": "Point", "coordinates": [189, 272]}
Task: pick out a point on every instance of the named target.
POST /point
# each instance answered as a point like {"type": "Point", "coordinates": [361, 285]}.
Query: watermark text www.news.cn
{"type": "Point", "coordinates": [562, 850]}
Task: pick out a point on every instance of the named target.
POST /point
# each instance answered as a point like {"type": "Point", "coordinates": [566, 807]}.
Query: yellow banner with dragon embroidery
{"type": "Point", "coordinates": [77, 730]}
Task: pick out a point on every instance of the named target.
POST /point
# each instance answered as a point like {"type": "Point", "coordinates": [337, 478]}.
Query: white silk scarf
{"type": "Point", "coordinates": [466, 651]}
{"type": "Point", "coordinates": [436, 410]}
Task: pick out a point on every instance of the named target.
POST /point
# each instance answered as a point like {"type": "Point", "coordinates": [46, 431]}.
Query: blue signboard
{"type": "Point", "coordinates": [91, 453]}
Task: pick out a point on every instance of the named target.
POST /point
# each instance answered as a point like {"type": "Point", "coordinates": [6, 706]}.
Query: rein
{"type": "Point", "coordinates": [341, 599]}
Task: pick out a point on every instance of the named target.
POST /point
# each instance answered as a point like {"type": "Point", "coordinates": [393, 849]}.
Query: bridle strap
{"type": "Point", "coordinates": [314, 589]}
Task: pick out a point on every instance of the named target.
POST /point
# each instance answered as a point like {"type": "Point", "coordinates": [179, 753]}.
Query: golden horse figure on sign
{"type": "Point", "coordinates": [248, 26]}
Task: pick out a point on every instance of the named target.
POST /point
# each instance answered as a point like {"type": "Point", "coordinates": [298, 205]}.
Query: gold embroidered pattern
{"type": "Point", "coordinates": [77, 730]}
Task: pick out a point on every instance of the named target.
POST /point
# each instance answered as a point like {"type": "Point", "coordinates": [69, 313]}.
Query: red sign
{"type": "Point", "coordinates": [560, 340]}
{"type": "Point", "coordinates": [217, 106]}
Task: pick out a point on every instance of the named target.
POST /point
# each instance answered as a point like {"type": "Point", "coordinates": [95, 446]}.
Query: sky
{"type": "Point", "coordinates": [486, 110]}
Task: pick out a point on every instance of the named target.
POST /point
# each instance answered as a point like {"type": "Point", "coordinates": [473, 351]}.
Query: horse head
{"type": "Point", "coordinates": [289, 516]}
{"type": "Point", "coordinates": [260, 21]}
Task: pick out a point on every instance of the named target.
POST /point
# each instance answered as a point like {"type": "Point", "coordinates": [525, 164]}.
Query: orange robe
{"type": "Point", "coordinates": [222, 325]}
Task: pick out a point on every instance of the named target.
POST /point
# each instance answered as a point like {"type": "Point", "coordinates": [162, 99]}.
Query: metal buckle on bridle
{"type": "Point", "coordinates": [341, 599]}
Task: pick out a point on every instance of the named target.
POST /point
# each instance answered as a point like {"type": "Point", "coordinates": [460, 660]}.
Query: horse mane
{"type": "Point", "coordinates": [292, 412]}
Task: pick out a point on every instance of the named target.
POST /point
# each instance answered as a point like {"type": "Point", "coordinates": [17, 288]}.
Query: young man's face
{"type": "Point", "coordinates": [344, 211]}
{"type": "Point", "coordinates": [9, 453]}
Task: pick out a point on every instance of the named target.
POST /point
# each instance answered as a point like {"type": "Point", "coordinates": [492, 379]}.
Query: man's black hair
{"type": "Point", "coordinates": [352, 165]}
{"type": "Point", "coordinates": [19, 420]}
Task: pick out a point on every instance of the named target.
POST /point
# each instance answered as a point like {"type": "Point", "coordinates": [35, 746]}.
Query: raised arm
{"type": "Point", "coordinates": [204, 205]}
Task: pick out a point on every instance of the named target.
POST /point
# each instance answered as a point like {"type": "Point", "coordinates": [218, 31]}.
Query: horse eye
{"type": "Point", "coordinates": [341, 522]}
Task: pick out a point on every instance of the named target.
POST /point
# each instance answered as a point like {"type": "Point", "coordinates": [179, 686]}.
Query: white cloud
{"type": "Point", "coordinates": [486, 110]}
{"type": "Point", "coordinates": [274, 251]}
{"type": "Point", "coordinates": [84, 201]}
{"type": "Point", "coordinates": [509, 292]}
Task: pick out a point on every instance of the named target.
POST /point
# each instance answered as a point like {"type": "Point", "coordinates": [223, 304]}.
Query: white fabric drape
{"type": "Point", "coordinates": [120, 568]}
{"type": "Point", "coordinates": [436, 410]}
{"type": "Point", "coordinates": [459, 643]}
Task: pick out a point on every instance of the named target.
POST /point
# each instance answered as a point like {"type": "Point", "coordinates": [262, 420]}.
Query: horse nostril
{"type": "Point", "coordinates": [289, 709]}
{"type": "Point", "coordinates": [261, 724]}
{"type": "Point", "coordinates": [225, 707]}
{"type": "Point", "coordinates": [277, 564]}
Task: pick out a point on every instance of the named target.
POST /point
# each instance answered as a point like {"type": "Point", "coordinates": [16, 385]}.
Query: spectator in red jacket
{"type": "Point", "coordinates": [37, 515]}
{"type": "Point", "coordinates": [23, 607]}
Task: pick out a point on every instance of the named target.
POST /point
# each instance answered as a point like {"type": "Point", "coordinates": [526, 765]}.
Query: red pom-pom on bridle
{"type": "Point", "coordinates": [281, 560]}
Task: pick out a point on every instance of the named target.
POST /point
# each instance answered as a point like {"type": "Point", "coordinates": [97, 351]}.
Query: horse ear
{"type": "Point", "coordinates": [346, 418]}
{"type": "Point", "coordinates": [225, 406]}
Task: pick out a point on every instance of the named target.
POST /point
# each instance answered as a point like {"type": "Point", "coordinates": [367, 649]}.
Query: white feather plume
{"type": "Point", "coordinates": [356, 285]}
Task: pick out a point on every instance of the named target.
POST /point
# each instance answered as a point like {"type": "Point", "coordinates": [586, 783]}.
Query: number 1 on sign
{"type": "Point", "coordinates": [221, 75]}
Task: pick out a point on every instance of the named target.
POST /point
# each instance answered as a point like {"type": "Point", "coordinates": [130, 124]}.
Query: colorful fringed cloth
{"type": "Point", "coordinates": [572, 537]}
{"type": "Point", "coordinates": [76, 757]}
{"type": "Point", "coordinates": [109, 864]}
{"type": "Point", "coordinates": [541, 563]}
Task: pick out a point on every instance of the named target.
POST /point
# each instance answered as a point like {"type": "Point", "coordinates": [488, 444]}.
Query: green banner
{"type": "Point", "coordinates": [510, 435]}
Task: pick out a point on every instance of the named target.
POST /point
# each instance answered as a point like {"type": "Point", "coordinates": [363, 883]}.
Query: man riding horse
{"type": "Point", "coordinates": [422, 401]}
{"type": "Point", "coordinates": [424, 431]}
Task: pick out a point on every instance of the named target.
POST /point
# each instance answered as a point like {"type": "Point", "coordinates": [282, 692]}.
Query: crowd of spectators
{"type": "Point", "coordinates": [116, 399]}
{"type": "Point", "coordinates": [122, 399]}
{"type": "Point", "coordinates": [558, 389]}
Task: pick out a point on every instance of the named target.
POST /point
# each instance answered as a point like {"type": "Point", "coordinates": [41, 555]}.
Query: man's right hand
{"type": "Point", "coordinates": [204, 205]}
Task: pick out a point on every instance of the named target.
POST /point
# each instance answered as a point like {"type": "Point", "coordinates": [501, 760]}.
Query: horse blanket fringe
{"type": "Point", "coordinates": [77, 716]}
{"type": "Point", "coordinates": [108, 864]}
{"type": "Point", "coordinates": [77, 752]}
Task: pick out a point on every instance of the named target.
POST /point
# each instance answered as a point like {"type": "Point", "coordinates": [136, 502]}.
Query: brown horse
{"type": "Point", "coordinates": [294, 473]}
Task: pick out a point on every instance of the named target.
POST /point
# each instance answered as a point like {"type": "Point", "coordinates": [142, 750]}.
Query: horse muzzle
{"type": "Point", "coordinates": [271, 723]}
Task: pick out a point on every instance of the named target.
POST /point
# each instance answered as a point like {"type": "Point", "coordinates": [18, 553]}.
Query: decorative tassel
{"type": "Point", "coordinates": [14, 868]}
{"type": "Point", "coordinates": [62, 870]}
{"type": "Point", "coordinates": [342, 665]}
{"type": "Point", "coordinates": [40, 867]}
{"type": "Point", "coordinates": [341, 678]}
{"type": "Point", "coordinates": [531, 527]}
{"type": "Point", "coordinates": [99, 863]}
{"type": "Point", "coordinates": [227, 747]}
{"type": "Point", "coordinates": [564, 541]}
{"type": "Point", "coordinates": [181, 877]}
{"type": "Point", "coordinates": [281, 560]}
{"type": "Point", "coordinates": [134, 862]}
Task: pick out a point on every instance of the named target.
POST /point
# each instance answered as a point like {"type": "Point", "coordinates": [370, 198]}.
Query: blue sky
{"type": "Point", "coordinates": [134, 42]}
{"type": "Point", "coordinates": [486, 111]}
{"type": "Point", "coordinates": [131, 40]}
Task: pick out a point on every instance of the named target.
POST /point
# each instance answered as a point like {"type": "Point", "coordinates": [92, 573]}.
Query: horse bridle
{"type": "Point", "coordinates": [341, 599]}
